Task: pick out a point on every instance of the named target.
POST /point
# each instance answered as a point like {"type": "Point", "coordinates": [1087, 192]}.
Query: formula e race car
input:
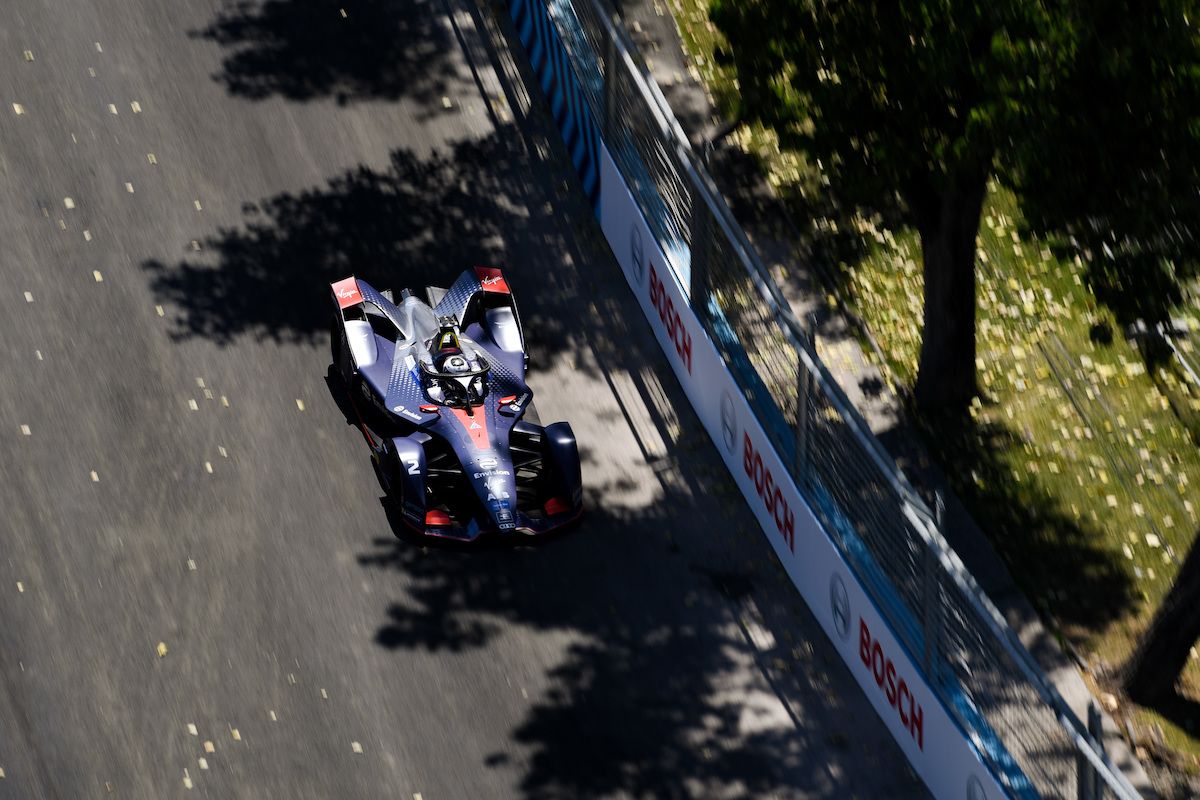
{"type": "Point", "coordinates": [439, 392]}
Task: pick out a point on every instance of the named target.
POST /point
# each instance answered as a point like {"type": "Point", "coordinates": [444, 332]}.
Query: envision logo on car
{"type": "Point", "coordinates": [728, 421]}
{"type": "Point", "coordinates": [839, 605]}
{"type": "Point", "coordinates": [636, 251]}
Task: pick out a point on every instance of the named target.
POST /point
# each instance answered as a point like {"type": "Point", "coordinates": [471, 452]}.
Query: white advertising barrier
{"type": "Point", "coordinates": [937, 748]}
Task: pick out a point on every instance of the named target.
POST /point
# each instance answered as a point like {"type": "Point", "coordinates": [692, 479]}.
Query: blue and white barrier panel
{"type": "Point", "coordinates": [938, 749]}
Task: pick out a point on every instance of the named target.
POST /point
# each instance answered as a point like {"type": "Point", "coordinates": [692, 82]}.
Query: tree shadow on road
{"type": "Point", "coordinates": [351, 50]}
{"type": "Point", "coordinates": [652, 696]}
{"type": "Point", "coordinates": [420, 221]}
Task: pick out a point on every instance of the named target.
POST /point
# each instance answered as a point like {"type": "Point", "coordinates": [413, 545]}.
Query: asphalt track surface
{"type": "Point", "coordinates": [182, 183]}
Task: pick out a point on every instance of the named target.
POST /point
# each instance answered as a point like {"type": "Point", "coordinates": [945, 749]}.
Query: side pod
{"type": "Point", "coordinates": [410, 476]}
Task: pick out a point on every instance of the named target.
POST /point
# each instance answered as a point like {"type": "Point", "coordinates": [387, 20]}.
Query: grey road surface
{"type": "Point", "coordinates": [200, 591]}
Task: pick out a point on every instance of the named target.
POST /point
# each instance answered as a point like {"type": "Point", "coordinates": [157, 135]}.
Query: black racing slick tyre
{"type": "Point", "coordinates": [337, 347]}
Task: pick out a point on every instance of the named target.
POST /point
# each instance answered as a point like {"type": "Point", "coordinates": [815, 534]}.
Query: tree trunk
{"type": "Point", "coordinates": [948, 223]}
{"type": "Point", "coordinates": [1150, 674]}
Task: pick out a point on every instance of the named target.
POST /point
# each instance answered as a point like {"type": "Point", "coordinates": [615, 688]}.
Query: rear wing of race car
{"type": "Point", "coordinates": [482, 297]}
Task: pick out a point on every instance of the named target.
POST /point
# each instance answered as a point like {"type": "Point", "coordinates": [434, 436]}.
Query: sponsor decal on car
{"type": "Point", "coordinates": [492, 280]}
{"type": "Point", "coordinates": [346, 292]}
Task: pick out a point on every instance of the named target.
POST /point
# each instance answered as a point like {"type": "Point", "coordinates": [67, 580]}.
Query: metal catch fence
{"type": "Point", "coordinates": [981, 672]}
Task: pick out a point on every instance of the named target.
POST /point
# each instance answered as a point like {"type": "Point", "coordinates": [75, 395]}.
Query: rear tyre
{"type": "Point", "coordinates": [337, 347]}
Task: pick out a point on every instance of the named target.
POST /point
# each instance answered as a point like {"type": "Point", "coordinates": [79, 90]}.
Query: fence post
{"type": "Point", "coordinates": [611, 61]}
{"type": "Point", "coordinates": [698, 286]}
{"type": "Point", "coordinates": [931, 597]}
{"type": "Point", "coordinates": [1089, 786]}
{"type": "Point", "coordinates": [804, 384]}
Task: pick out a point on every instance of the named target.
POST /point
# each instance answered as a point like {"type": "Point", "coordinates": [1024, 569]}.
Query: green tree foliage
{"type": "Point", "coordinates": [1086, 109]}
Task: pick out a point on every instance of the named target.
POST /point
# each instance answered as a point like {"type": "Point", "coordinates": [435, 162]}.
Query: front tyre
{"type": "Point", "coordinates": [337, 346]}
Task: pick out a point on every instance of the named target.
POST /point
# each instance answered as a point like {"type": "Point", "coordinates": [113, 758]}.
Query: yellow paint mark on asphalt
{"type": "Point", "coordinates": [29, 297]}
{"type": "Point", "coordinates": [112, 108]}
{"type": "Point", "coordinates": [224, 453]}
{"type": "Point", "coordinates": [203, 762]}
{"type": "Point", "coordinates": [193, 405]}
{"type": "Point", "coordinates": [20, 587]}
{"type": "Point", "coordinates": [136, 106]}
{"type": "Point", "coordinates": [299, 404]}
{"type": "Point", "coordinates": [199, 207]}
{"type": "Point", "coordinates": [159, 310]}
{"type": "Point", "coordinates": [271, 714]}
{"type": "Point", "coordinates": [68, 202]}
{"type": "Point", "coordinates": [225, 401]}
{"type": "Point", "coordinates": [129, 187]}
{"type": "Point", "coordinates": [96, 274]}
{"type": "Point", "coordinates": [153, 159]}
{"type": "Point", "coordinates": [18, 109]}
{"type": "Point", "coordinates": [95, 477]}
{"type": "Point", "coordinates": [29, 55]}
{"type": "Point", "coordinates": [191, 728]}
{"type": "Point", "coordinates": [87, 236]}
{"type": "Point", "coordinates": [208, 467]}
{"type": "Point", "coordinates": [235, 733]}
{"type": "Point", "coordinates": [161, 649]}
{"type": "Point", "coordinates": [356, 747]}
{"type": "Point", "coordinates": [99, 49]}
{"type": "Point", "coordinates": [209, 747]}
{"type": "Point", "coordinates": [25, 430]}
{"type": "Point", "coordinates": [191, 565]}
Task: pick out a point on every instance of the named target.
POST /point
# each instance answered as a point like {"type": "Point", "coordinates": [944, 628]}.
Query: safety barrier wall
{"type": "Point", "coordinates": [952, 684]}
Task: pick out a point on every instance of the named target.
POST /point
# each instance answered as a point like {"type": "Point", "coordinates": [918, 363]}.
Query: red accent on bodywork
{"type": "Point", "coordinates": [479, 431]}
{"type": "Point", "coordinates": [346, 292]}
{"type": "Point", "coordinates": [506, 400]}
{"type": "Point", "coordinates": [556, 505]}
{"type": "Point", "coordinates": [492, 280]}
{"type": "Point", "coordinates": [428, 407]}
{"type": "Point", "coordinates": [436, 517]}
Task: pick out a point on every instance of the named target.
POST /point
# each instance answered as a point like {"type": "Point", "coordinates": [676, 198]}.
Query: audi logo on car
{"type": "Point", "coordinates": [636, 251]}
{"type": "Point", "coordinates": [728, 421]}
{"type": "Point", "coordinates": [839, 605]}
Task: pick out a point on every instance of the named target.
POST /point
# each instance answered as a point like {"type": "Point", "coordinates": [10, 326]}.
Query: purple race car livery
{"type": "Point", "coordinates": [439, 391]}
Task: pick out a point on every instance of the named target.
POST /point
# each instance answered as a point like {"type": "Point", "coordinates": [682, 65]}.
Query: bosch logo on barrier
{"type": "Point", "coordinates": [665, 306]}
{"type": "Point", "coordinates": [894, 687]}
{"type": "Point", "coordinates": [769, 492]}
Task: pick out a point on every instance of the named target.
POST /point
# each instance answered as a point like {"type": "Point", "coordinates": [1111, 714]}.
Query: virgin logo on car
{"type": "Point", "coordinates": [344, 293]}
{"type": "Point", "coordinates": [491, 280]}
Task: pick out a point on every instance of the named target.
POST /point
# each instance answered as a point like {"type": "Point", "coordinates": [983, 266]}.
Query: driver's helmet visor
{"type": "Point", "coordinates": [461, 387]}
